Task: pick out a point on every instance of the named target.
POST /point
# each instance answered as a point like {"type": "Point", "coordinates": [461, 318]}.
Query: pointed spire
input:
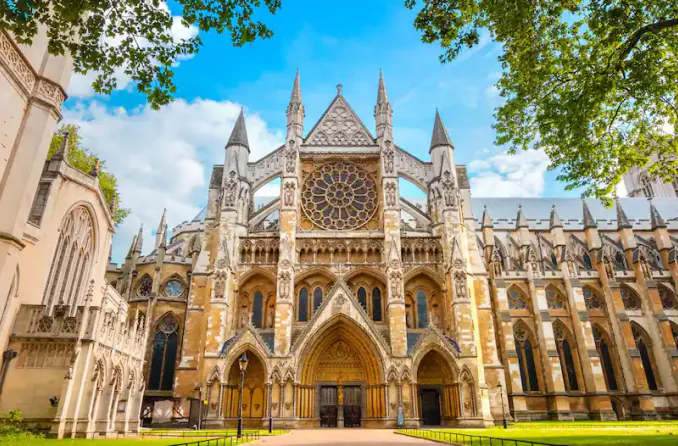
{"type": "Point", "coordinates": [622, 219]}
{"type": "Point", "coordinates": [239, 134]}
{"type": "Point", "coordinates": [161, 232]}
{"type": "Point", "coordinates": [521, 221]}
{"type": "Point", "coordinates": [163, 239]}
{"type": "Point", "coordinates": [139, 241]}
{"type": "Point", "coordinates": [382, 97]}
{"type": "Point", "coordinates": [555, 221]}
{"type": "Point", "coordinates": [131, 247]}
{"type": "Point", "coordinates": [656, 220]}
{"type": "Point", "coordinates": [440, 136]}
{"type": "Point", "coordinates": [62, 151]}
{"type": "Point", "coordinates": [486, 221]}
{"type": "Point", "coordinates": [589, 221]}
{"type": "Point", "coordinates": [296, 90]}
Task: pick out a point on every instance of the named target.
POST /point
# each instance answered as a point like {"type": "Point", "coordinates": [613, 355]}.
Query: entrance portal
{"type": "Point", "coordinates": [328, 406]}
{"type": "Point", "coordinates": [352, 414]}
{"type": "Point", "coordinates": [430, 407]}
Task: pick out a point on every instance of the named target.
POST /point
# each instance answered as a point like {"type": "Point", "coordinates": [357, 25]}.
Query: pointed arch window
{"type": "Point", "coordinates": [161, 376]}
{"type": "Point", "coordinates": [674, 333]}
{"type": "Point", "coordinates": [566, 359]}
{"type": "Point", "coordinates": [646, 186]}
{"type": "Point", "coordinates": [317, 298]}
{"type": "Point", "coordinates": [668, 298]}
{"type": "Point", "coordinates": [606, 358]}
{"type": "Point", "coordinates": [591, 298]}
{"type": "Point", "coordinates": [516, 299]}
{"type": "Point", "coordinates": [620, 261]}
{"type": "Point", "coordinates": [71, 261]}
{"type": "Point", "coordinates": [257, 310]}
{"type": "Point", "coordinates": [629, 298]}
{"type": "Point", "coordinates": [526, 363]}
{"type": "Point", "coordinates": [554, 298]}
{"type": "Point", "coordinates": [376, 305]}
{"type": "Point", "coordinates": [587, 261]}
{"type": "Point", "coordinates": [643, 345]}
{"type": "Point", "coordinates": [362, 297]}
{"type": "Point", "coordinates": [422, 309]}
{"type": "Point", "coordinates": [302, 311]}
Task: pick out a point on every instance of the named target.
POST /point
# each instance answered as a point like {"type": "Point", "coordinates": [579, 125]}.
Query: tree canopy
{"type": "Point", "coordinates": [81, 158]}
{"type": "Point", "coordinates": [591, 83]}
{"type": "Point", "coordinates": [131, 36]}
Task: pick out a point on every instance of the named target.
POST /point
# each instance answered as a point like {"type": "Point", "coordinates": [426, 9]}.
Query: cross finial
{"type": "Point", "coordinates": [339, 87]}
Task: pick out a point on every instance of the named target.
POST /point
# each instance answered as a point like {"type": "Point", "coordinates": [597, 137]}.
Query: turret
{"type": "Point", "coordinates": [522, 227]}
{"type": "Point", "coordinates": [238, 146]}
{"type": "Point", "coordinates": [383, 114]}
{"type": "Point", "coordinates": [624, 227]}
{"type": "Point", "coordinates": [441, 145]}
{"type": "Point", "coordinates": [658, 226]}
{"type": "Point", "coordinates": [487, 226]}
{"type": "Point", "coordinates": [161, 233]}
{"type": "Point", "coordinates": [556, 228]}
{"type": "Point", "coordinates": [590, 228]}
{"type": "Point", "coordinates": [295, 112]}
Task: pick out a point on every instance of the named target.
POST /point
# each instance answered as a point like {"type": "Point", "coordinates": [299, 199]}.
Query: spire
{"type": "Point", "coordinates": [62, 151]}
{"type": "Point", "coordinates": [161, 233]}
{"type": "Point", "coordinates": [163, 240]}
{"type": "Point", "coordinates": [139, 241]}
{"type": "Point", "coordinates": [622, 219]}
{"type": "Point", "coordinates": [589, 222]}
{"type": "Point", "coordinates": [131, 247]}
{"type": "Point", "coordinates": [656, 220]}
{"type": "Point", "coordinates": [382, 97]}
{"type": "Point", "coordinates": [440, 136]}
{"type": "Point", "coordinates": [521, 221]}
{"type": "Point", "coordinates": [239, 134]}
{"type": "Point", "coordinates": [486, 221]}
{"type": "Point", "coordinates": [296, 91]}
{"type": "Point", "coordinates": [382, 112]}
{"type": "Point", "coordinates": [555, 221]}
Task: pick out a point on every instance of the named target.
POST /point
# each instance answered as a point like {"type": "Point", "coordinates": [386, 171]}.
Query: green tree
{"type": "Point", "coordinates": [592, 83]}
{"type": "Point", "coordinates": [105, 36]}
{"type": "Point", "coordinates": [81, 158]}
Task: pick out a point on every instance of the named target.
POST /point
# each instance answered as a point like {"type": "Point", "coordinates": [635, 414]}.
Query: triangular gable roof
{"type": "Point", "coordinates": [339, 126]}
{"type": "Point", "coordinates": [340, 302]}
{"type": "Point", "coordinates": [246, 336]}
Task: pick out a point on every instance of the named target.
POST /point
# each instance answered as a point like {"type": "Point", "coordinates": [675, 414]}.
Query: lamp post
{"type": "Point", "coordinates": [503, 414]}
{"type": "Point", "coordinates": [243, 366]}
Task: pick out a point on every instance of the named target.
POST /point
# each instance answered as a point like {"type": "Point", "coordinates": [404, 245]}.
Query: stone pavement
{"type": "Point", "coordinates": [373, 437]}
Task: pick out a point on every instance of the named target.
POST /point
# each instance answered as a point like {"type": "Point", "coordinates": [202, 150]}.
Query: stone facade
{"type": "Point", "coordinates": [639, 183]}
{"type": "Point", "coordinates": [72, 350]}
{"type": "Point", "coordinates": [354, 304]}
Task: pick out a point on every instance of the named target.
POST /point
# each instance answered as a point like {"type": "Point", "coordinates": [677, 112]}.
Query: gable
{"type": "Point", "coordinates": [339, 126]}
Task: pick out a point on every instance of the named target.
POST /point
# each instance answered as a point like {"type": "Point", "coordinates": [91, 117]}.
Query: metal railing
{"type": "Point", "coordinates": [469, 440]}
{"type": "Point", "coordinates": [228, 440]}
{"type": "Point", "coordinates": [600, 425]}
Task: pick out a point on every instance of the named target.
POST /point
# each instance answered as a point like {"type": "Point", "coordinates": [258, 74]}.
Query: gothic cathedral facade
{"type": "Point", "coordinates": [352, 315]}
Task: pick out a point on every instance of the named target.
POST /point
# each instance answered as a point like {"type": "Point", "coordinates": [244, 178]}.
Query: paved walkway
{"type": "Point", "coordinates": [373, 437]}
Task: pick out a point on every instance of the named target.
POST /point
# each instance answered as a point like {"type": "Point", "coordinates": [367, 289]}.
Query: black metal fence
{"type": "Point", "coordinates": [469, 440]}
{"type": "Point", "coordinates": [200, 433]}
{"type": "Point", "coordinates": [228, 440]}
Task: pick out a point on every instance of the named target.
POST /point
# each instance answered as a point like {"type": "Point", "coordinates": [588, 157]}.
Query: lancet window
{"type": "Point", "coordinates": [71, 261]}
{"type": "Point", "coordinates": [592, 298]}
{"type": "Point", "coordinates": [629, 298]}
{"type": "Point", "coordinates": [604, 348]}
{"type": "Point", "coordinates": [554, 298]}
{"type": "Point", "coordinates": [644, 346]}
{"type": "Point", "coordinates": [161, 376]}
{"type": "Point", "coordinates": [564, 345]}
{"type": "Point", "coordinates": [668, 298]}
{"type": "Point", "coordinates": [516, 299]}
{"type": "Point", "coordinates": [526, 359]}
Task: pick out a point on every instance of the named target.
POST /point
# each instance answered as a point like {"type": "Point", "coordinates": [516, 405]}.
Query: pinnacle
{"type": "Point", "coordinates": [555, 221]}
{"type": "Point", "coordinates": [589, 221]}
{"type": "Point", "coordinates": [521, 221]}
{"type": "Point", "coordinates": [440, 136]}
{"type": "Point", "coordinates": [382, 97]}
{"type": "Point", "coordinates": [239, 134]}
{"type": "Point", "coordinates": [296, 90]}
{"type": "Point", "coordinates": [622, 219]}
{"type": "Point", "coordinates": [486, 221]}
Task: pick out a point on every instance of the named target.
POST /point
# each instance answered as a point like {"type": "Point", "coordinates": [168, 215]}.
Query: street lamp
{"type": "Point", "coordinates": [503, 414]}
{"type": "Point", "coordinates": [242, 362]}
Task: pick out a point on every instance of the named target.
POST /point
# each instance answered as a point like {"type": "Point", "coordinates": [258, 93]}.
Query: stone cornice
{"type": "Point", "coordinates": [32, 85]}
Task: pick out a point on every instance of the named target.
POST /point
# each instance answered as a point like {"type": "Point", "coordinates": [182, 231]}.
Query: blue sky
{"type": "Point", "coordinates": [163, 159]}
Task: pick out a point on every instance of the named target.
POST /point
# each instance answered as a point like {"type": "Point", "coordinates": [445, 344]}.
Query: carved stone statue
{"type": "Point", "coordinates": [288, 194]}
{"type": "Point", "coordinates": [230, 190]}
{"type": "Point", "coordinates": [388, 157]}
{"type": "Point", "coordinates": [390, 194]}
{"type": "Point", "coordinates": [291, 157]}
{"type": "Point", "coordinates": [449, 191]}
{"type": "Point", "coordinates": [460, 284]}
{"type": "Point", "coordinates": [244, 317]}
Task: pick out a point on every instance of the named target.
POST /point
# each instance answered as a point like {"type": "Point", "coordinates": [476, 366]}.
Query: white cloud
{"type": "Point", "coordinates": [81, 84]}
{"type": "Point", "coordinates": [164, 158]}
{"type": "Point", "coordinates": [504, 175]}
{"type": "Point", "coordinates": [491, 92]}
{"type": "Point", "coordinates": [620, 190]}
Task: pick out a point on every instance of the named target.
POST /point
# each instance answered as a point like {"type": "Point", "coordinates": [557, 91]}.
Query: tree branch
{"type": "Point", "coordinates": [640, 32]}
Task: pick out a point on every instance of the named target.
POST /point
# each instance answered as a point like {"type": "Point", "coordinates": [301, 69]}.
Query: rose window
{"type": "Point", "coordinates": [174, 288]}
{"type": "Point", "coordinates": [339, 196]}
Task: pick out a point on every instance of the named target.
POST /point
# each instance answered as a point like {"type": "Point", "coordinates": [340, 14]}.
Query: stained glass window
{"type": "Point", "coordinates": [376, 305]}
{"type": "Point", "coordinates": [339, 196]}
{"type": "Point", "coordinates": [422, 309]}
{"type": "Point", "coordinates": [630, 298]}
{"type": "Point", "coordinates": [174, 288]}
{"type": "Point", "coordinates": [302, 312]}
{"type": "Point", "coordinates": [554, 298]}
{"type": "Point", "coordinates": [667, 297]}
{"type": "Point", "coordinates": [145, 287]}
{"type": "Point", "coordinates": [591, 298]}
{"type": "Point", "coordinates": [516, 299]}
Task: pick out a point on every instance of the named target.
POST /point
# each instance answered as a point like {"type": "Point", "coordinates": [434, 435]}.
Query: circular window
{"type": "Point", "coordinates": [174, 288]}
{"type": "Point", "coordinates": [145, 287]}
{"type": "Point", "coordinates": [339, 196]}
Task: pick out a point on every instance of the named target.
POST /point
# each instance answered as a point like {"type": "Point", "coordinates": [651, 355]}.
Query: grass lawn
{"type": "Point", "coordinates": [584, 433]}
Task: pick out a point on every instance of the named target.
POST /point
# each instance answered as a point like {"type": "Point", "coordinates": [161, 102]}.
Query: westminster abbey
{"type": "Point", "coordinates": [354, 306]}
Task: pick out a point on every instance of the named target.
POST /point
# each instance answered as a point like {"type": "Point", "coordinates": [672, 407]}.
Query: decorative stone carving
{"type": "Point", "coordinates": [388, 157]}
{"type": "Point", "coordinates": [219, 287]}
{"type": "Point", "coordinates": [460, 284]}
{"type": "Point", "coordinates": [50, 93]}
{"type": "Point", "coordinates": [340, 301]}
{"type": "Point", "coordinates": [288, 194]}
{"type": "Point", "coordinates": [449, 191]}
{"type": "Point", "coordinates": [395, 278]}
{"type": "Point", "coordinates": [230, 190]}
{"type": "Point", "coordinates": [390, 191]}
{"type": "Point", "coordinates": [284, 280]}
{"type": "Point", "coordinates": [291, 157]}
{"type": "Point", "coordinates": [339, 127]}
{"type": "Point", "coordinates": [15, 64]}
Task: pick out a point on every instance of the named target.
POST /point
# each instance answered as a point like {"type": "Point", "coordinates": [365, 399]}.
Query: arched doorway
{"type": "Point", "coordinates": [254, 391]}
{"type": "Point", "coordinates": [438, 393]}
{"type": "Point", "coordinates": [341, 378]}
